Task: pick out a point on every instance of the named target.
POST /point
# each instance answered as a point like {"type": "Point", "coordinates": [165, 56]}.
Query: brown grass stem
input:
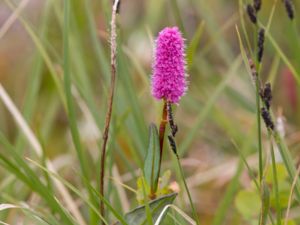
{"type": "Point", "coordinates": [113, 52]}
{"type": "Point", "coordinates": [162, 129]}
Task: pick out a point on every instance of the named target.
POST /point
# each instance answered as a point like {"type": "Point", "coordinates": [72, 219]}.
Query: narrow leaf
{"type": "Point", "coordinates": [151, 166]}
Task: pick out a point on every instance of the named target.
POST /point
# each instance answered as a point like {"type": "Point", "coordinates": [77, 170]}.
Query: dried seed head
{"type": "Point", "coordinates": [173, 126]}
{"type": "Point", "coordinates": [289, 8]}
{"type": "Point", "coordinates": [251, 13]}
{"type": "Point", "coordinates": [267, 118]}
{"type": "Point", "coordinates": [267, 95]}
{"type": "Point", "coordinates": [260, 44]}
{"type": "Point", "coordinates": [172, 144]}
{"type": "Point", "coordinates": [257, 5]}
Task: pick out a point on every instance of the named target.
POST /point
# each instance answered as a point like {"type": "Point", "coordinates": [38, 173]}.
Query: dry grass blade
{"type": "Point", "coordinates": [13, 17]}
{"type": "Point", "coordinates": [120, 189]}
{"type": "Point", "coordinates": [20, 121]}
{"type": "Point", "coordinates": [183, 214]}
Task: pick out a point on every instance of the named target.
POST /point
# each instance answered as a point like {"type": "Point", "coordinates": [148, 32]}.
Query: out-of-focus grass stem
{"type": "Point", "coordinates": [275, 179]}
{"type": "Point", "coordinates": [195, 215]}
{"type": "Point", "coordinates": [258, 118]}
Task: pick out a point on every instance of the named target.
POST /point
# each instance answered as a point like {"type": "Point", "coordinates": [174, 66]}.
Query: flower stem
{"type": "Point", "coordinates": [162, 129]}
{"type": "Point", "coordinates": [110, 102]}
{"type": "Point", "coordinates": [260, 154]}
{"type": "Point", "coordinates": [187, 190]}
{"type": "Point", "coordinates": [258, 110]}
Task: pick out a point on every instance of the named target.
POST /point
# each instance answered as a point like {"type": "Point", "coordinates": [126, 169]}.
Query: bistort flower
{"type": "Point", "coordinates": [168, 77]}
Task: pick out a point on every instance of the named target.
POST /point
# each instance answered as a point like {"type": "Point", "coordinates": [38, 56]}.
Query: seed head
{"type": "Point", "coordinates": [251, 13]}
{"type": "Point", "coordinates": [289, 8]}
{"type": "Point", "coordinates": [267, 118]}
{"type": "Point", "coordinates": [260, 44]}
{"type": "Point", "coordinates": [257, 5]}
{"type": "Point", "coordinates": [168, 77]}
{"type": "Point", "coordinates": [172, 144]}
{"type": "Point", "coordinates": [266, 95]}
{"type": "Point", "coordinates": [173, 126]}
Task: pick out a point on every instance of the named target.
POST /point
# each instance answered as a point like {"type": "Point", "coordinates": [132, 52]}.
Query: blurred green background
{"type": "Point", "coordinates": [217, 111]}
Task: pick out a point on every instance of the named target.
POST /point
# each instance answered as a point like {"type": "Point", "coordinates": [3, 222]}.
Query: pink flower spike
{"type": "Point", "coordinates": [168, 77]}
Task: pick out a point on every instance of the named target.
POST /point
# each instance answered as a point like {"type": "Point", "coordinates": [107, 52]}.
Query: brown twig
{"type": "Point", "coordinates": [113, 49]}
{"type": "Point", "coordinates": [162, 128]}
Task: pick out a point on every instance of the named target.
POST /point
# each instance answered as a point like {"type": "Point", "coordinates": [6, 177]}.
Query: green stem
{"type": "Point", "coordinates": [276, 182]}
{"type": "Point", "coordinates": [258, 118]}
{"type": "Point", "coordinates": [70, 104]}
{"type": "Point", "coordinates": [187, 190]}
{"type": "Point", "coordinates": [260, 153]}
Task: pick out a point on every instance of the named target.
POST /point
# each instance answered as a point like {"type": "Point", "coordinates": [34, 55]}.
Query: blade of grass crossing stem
{"type": "Point", "coordinates": [34, 182]}
{"type": "Point", "coordinates": [72, 188]}
{"type": "Point", "coordinates": [79, 194]}
{"type": "Point", "coordinates": [209, 105]}
{"type": "Point", "coordinates": [71, 108]}
{"type": "Point", "coordinates": [110, 207]}
{"type": "Point", "coordinates": [38, 218]}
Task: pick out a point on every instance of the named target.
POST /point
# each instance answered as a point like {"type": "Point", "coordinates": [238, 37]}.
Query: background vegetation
{"type": "Point", "coordinates": [216, 118]}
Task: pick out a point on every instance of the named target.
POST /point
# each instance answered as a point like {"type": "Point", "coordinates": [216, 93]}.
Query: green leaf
{"type": "Point", "coordinates": [282, 173]}
{"type": "Point", "coordinates": [284, 193]}
{"type": "Point", "coordinates": [151, 166]}
{"type": "Point", "coordinates": [138, 215]}
{"type": "Point", "coordinates": [248, 203]}
{"type": "Point", "coordinates": [289, 222]}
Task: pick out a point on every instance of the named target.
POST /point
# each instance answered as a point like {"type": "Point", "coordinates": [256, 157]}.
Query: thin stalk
{"type": "Point", "coordinates": [113, 52]}
{"type": "Point", "coordinates": [275, 177]}
{"type": "Point", "coordinates": [187, 190]}
{"type": "Point", "coordinates": [258, 118]}
{"type": "Point", "coordinates": [260, 154]}
{"type": "Point", "coordinates": [162, 129]}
